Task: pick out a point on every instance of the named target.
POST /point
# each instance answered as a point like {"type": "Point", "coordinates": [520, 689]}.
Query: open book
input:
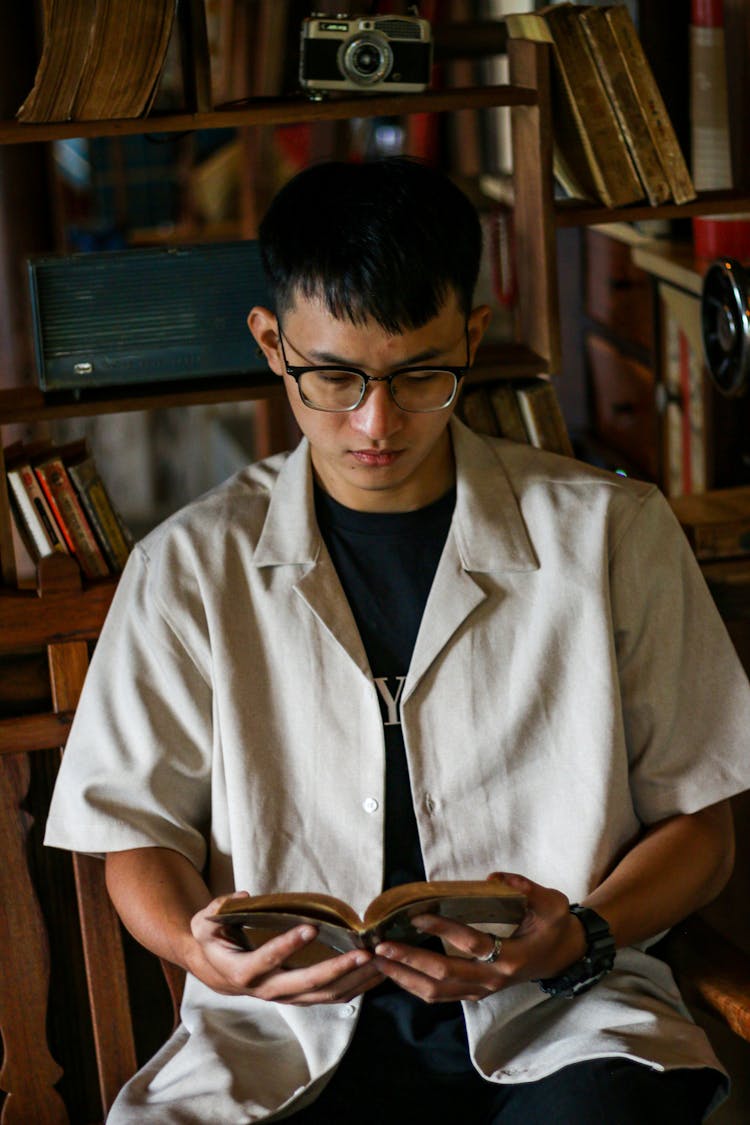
{"type": "Point", "coordinates": [490, 905]}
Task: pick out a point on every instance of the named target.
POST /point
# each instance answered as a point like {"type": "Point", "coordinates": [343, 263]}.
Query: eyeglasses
{"type": "Point", "coordinates": [417, 390]}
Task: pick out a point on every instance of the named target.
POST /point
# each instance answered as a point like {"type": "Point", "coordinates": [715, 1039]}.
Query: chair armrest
{"type": "Point", "coordinates": [712, 970]}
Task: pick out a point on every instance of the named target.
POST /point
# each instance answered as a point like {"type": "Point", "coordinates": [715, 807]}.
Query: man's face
{"type": "Point", "coordinates": [378, 457]}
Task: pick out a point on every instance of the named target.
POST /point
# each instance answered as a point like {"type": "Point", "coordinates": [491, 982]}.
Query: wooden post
{"type": "Point", "coordinates": [100, 927]}
{"type": "Point", "coordinates": [534, 208]}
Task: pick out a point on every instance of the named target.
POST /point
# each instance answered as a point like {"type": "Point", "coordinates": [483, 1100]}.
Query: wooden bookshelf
{"type": "Point", "coordinates": [574, 213]}
{"type": "Point", "coordinates": [275, 111]}
{"type": "Point", "coordinates": [30, 404]}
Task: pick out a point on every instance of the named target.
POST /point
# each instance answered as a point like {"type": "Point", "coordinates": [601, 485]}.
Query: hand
{"type": "Point", "coordinates": [227, 968]}
{"type": "Point", "coordinates": [548, 940]}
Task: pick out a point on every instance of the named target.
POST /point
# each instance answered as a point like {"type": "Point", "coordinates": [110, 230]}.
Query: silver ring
{"type": "Point", "coordinates": [494, 953]}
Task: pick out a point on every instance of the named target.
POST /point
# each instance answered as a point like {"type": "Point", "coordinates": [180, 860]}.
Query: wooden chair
{"type": "Point", "coordinates": [80, 1008]}
{"type": "Point", "coordinates": [64, 985]}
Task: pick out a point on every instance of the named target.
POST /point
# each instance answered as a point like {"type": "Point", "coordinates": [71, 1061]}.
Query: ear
{"type": "Point", "coordinates": [264, 327]}
{"type": "Point", "coordinates": [478, 323]}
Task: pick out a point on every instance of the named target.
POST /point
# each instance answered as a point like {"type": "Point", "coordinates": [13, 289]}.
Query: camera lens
{"type": "Point", "coordinates": [366, 59]}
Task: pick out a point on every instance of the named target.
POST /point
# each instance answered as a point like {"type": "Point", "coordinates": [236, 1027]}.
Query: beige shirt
{"type": "Point", "coordinates": [571, 681]}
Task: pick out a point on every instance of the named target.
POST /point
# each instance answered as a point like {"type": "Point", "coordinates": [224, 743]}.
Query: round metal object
{"type": "Point", "coordinates": [366, 59]}
{"type": "Point", "coordinates": [725, 325]}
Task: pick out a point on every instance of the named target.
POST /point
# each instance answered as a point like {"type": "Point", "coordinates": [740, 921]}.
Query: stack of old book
{"type": "Point", "coordinates": [613, 138]}
{"type": "Point", "coordinates": [60, 503]}
{"type": "Point", "coordinates": [525, 410]}
{"type": "Point", "coordinates": [100, 59]}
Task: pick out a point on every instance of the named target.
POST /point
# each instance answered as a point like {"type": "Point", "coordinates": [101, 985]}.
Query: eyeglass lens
{"type": "Point", "coordinates": [415, 390]}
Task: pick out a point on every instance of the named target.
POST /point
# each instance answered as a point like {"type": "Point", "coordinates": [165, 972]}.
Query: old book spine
{"type": "Point", "coordinates": [122, 71]}
{"type": "Point", "coordinates": [508, 412]}
{"type": "Point", "coordinates": [35, 521]}
{"type": "Point", "coordinates": [644, 84]}
{"type": "Point", "coordinates": [596, 116]}
{"type": "Point", "coordinates": [71, 518]}
{"type": "Point", "coordinates": [543, 418]}
{"type": "Point", "coordinates": [626, 105]}
{"type": "Point", "coordinates": [67, 44]}
{"type": "Point", "coordinates": [477, 411]}
{"type": "Point", "coordinates": [575, 169]}
{"type": "Point", "coordinates": [102, 515]}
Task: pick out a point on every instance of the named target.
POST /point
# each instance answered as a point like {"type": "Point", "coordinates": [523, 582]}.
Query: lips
{"type": "Point", "coordinates": [376, 458]}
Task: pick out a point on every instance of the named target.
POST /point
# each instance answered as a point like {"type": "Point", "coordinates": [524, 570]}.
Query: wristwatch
{"type": "Point", "coordinates": [596, 961]}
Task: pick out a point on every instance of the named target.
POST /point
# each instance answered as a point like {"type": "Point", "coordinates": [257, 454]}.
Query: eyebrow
{"type": "Point", "coordinates": [339, 361]}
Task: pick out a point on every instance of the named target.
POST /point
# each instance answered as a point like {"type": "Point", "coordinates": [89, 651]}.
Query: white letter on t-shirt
{"type": "Point", "coordinates": [391, 702]}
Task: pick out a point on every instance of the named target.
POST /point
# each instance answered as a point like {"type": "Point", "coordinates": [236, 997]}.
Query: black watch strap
{"type": "Point", "coordinates": [596, 961]}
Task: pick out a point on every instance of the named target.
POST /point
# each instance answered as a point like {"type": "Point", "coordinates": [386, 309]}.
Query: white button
{"type": "Point", "coordinates": [370, 804]}
{"type": "Point", "coordinates": [347, 1010]}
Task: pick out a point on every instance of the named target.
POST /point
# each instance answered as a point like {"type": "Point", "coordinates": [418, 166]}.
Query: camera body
{"type": "Point", "coordinates": [365, 54]}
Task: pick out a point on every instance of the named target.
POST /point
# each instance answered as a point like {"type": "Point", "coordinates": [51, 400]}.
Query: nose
{"type": "Point", "coordinates": [378, 417]}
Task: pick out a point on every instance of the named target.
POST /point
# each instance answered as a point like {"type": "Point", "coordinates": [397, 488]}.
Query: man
{"type": "Point", "coordinates": [406, 650]}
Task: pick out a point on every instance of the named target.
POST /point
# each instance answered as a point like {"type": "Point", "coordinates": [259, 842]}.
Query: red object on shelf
{"type": "Point", "coordinates": [707, 13]}
{"type": "Point", "coordinates": [714, 236]}
{"type": "Point", "coordinates": [722, 237]}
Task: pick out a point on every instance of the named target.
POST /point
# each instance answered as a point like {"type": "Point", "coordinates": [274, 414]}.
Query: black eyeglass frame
{"type": "Point", "coordinates": [296, 373]}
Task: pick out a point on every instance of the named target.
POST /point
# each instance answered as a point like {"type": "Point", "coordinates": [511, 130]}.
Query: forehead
{"type": "Point", "coordinates": [309, 321]}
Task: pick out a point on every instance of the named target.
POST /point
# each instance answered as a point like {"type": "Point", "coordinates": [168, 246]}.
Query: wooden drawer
{"type": "Point", "coordinates": [618, 293]}
{"type": "Point", "coordinates": [625, 416]}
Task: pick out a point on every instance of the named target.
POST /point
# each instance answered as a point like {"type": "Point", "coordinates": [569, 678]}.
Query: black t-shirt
{"type": "Point", "coordinates": [386, 564]}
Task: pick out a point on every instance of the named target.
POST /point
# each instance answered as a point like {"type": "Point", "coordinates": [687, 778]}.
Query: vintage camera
{"type": "Point", "coordinates": [368, 54]}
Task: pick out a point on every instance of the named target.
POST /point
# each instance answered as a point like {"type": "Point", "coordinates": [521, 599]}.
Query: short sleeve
{"type": "Point", "coordinates": [685, 695]}
{"type": "Point", "coordinates": [137, 766]}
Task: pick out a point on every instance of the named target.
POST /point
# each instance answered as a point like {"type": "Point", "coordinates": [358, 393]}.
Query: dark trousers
{"type": "Point", "coordinates": [597, 1092]}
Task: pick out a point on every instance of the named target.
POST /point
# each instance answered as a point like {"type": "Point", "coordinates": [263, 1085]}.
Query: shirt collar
{"type": "Point", "coordinates": [488, 526]}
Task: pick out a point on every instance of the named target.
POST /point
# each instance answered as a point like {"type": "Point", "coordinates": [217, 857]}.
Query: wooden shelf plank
{"type": "Point", "coordinates": [30, 404]}
{"type": "Point", "coordinates": [33, 405]}
{"type": "Point", "coordinates": [275, 111]}
{"type": "Point", "coordinates": [574, 213]}
{"type": "Point", "coordinates": [34, 732]}
{"type": "Point", "coordinates": [29, 623]}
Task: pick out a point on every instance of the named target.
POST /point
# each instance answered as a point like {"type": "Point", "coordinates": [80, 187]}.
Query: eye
{"type": "Point", "coordinates": [336, 378]}
{"type": "Point", "coordinates": [421, 377]}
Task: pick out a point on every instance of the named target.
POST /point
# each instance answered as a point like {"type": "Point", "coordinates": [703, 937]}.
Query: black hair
{"type": "Point", "coordinates": [385, 240]}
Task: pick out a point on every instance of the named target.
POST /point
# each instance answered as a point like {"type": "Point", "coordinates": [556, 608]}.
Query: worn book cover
{"type": "Point", "coordinates": [540, 409]}
{"type": "Point", "coordinates": [508, 411]}
{"type": "Point", "coordinates": [628, 106]}
{"type": "Point", "coordinates": [489, 904]}
{"type": "Point", "coordinates": [34, 518]}
{"type": "Point", "coordinates": [70, 517]}
{"type": "Point", "coordinates": [644, 85]}
{"type": "Point", "coordinates": [571, 150]}
{"type": "Point", "coordinates": [609, 158]}
{"type": "Point", "coordinates": [477, 412]}
{"type": "Point", "coordinates": [103, 516]}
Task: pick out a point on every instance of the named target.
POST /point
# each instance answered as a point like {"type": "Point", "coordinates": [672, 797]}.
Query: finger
{"type": "Point", "coordinates": [454, 979]}
{"type": "Point", "coordinates": [323, 978]}
{"type": "Point", "coordinates": [285, 989]}
{"type": "Point", "coordinates": [436, 966]}
{"type": "Point", "coordinates": [464, 939]}
{"type": "Point", "coordinates": [204, 923]}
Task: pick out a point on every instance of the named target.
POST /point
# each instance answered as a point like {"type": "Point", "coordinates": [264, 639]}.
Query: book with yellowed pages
{"type": "Point", "coordinates": [101, 59]}
{"type": "Point", "coordinates": [488, 904]}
